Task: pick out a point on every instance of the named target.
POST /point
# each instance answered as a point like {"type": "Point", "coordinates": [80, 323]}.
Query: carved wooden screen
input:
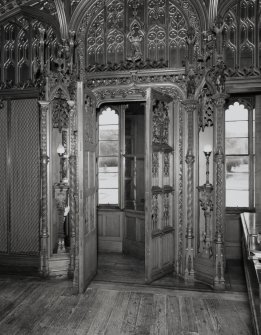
{"type": "Point", "coordinates": [140, 30]}
{"type": "Point", "coordinates": [159, 189]}
{"type": "Point", "coordinates": [3, 177]}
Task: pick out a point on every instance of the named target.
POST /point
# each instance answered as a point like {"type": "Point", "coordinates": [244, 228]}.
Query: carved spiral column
{"type": "Point", "coordinates": [44, 236]}
{"type": "Point", "coordinates": [190, 108]}
{"type": "Point", "coordinates": [72, 183]}
{"type": "Point", "coordinates": [219, 140]}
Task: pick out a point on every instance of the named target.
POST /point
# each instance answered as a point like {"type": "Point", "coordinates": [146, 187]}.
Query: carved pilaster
{"type": "Point", "coordinates": [219, 142]}
{"type": "Point", "coordinates": [41, 47]}
{"type": "Point", "coordinates": [189, 258]}
{"type": "Point", "coordinates": [179, 265]}
{"type": "Point", "coordinates": [44, 236]}
{"type": "Point", "coordinates": [191, 107]}
{"type": "Point", "coordinates": [76, 204]}
{"type": "Point", "coordinates": [72, 182]}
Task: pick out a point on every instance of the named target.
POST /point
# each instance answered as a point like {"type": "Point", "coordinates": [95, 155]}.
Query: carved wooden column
{"type": "Point", "coordinates": [44, 236]}
{"type": "Point", "coordinates": [191, 107]}
{"type": "Point", "coordinates": [76, 204]}
{"type": "Point", "coordinates": [72, 183]}
{"type": "Point", "coordinates": [219, 187]}
{"type": "Point", "coordinates": [41, 47]}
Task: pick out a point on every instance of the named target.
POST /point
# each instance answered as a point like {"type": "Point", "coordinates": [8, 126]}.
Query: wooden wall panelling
{"type": "Point", "coordinates": [24, 176]}
{"type": "Point", "coordinates": [3, 177]}
{"type": "Point", "coordinates": [134, 234]}
{"type": "Point", "coordinates": [233, 236]}
{"type": "Point", "coordinates": [110, 232]}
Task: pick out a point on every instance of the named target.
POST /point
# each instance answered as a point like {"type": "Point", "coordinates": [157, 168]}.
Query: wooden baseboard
{"type": "Point", "coordinates": [20, 264]}
{"type": "Point", "coordinates": [109, 245]}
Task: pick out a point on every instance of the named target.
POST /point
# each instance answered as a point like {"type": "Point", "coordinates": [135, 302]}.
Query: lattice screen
{"type": "Point", "coordinates": [3, 178]}
{"type": "Point", "coordinates": [25, 176]}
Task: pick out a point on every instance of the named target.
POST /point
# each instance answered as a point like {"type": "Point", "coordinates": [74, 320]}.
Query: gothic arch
{"type": "Point", "coordinates": [248, 102]}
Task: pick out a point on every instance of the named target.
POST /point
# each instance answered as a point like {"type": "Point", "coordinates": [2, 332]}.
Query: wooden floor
{"type": "Point", "coordinates": [34, 306]}
{"type": "Point", "coordinates": [118, 268]}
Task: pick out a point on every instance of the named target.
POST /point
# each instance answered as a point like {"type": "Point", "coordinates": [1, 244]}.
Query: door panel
{"type": "Point", "coordinates": [86, 112]}
{"type": "Point", "coordinates": [159, 225]}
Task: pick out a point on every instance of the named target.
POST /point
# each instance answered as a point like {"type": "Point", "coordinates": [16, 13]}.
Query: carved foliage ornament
{"type": "Point", "coordinates": [206, 111]}
{"type": "Point", "coordinates": [61, 112]}
{"type": "Point", "coordinates": [89, 124]}
{"type": "Point", "coordinates": [160, 120]}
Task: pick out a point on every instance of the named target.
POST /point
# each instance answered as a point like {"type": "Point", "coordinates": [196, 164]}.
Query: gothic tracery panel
{"type": "Point", "coordinates": [143, 31]}
{"type": "Point", "coordinates": [20, 39]}
{"type": "Point", "coordinates": [240, 34]}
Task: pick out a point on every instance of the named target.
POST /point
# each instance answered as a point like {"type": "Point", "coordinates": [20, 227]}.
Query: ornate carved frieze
{"type": "Point", "coordinates": [60, 111]}
{"type": "Point", "coordinates": [108, 94]}
{"type": "Point", "coordinates": [129, 78]}
{"type": "Point", "coordinates": [160, 122]}
{"type": "Point", "coordinates": [155, 169]}
{"type": "Point", "coordinates": [216, 75]}
{"type": "Point", "coordinates": [206, 110]}
{"type": "Point", "coordinates": [166, 165]}
{"type": "Point", "coordinates": [89, 127]}
{"type": "Point", "coordinates": [128, 64]}
{"type": "Point", "coordinates": [250, 71]}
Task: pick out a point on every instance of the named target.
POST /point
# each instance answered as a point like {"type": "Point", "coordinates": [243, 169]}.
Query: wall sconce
{"type": "Point", "coordinates": [206, 203]}
{"type": "Point", "coordinates": [207, 152]}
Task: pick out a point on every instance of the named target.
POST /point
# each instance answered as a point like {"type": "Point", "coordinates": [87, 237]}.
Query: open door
{"type": "Point", "coordinates": [86, 111]}
{"type": "Point", "coordinates": [159, 187]}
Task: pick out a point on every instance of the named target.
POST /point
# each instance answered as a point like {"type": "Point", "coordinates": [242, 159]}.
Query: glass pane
{"type": "Point", "coordinates": [237, 164]}
{"type": "Point", "coordinates": [110, 132]}
{"type": "Point", "coordinates": [108, 197]}
{"type": "Point", "coordinates": [108, 116]}
{"type": "Point", "coordinates": [108, 148]}
{"type": "Point", "coordinates": [236, 146]}
{"type": "Point", "coordinates": [108, 180]}
{"type": "Point", "coordinates": [108, 164]}
{"type": "Point", "coordinates": [236, 112]}
{"type": "Point", "coordinates": [235, 198]}
{"type": "Point", "coordinates": [237, 129]}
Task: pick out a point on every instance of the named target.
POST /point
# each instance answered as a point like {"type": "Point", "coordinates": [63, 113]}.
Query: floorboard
{"type": "Point", "coordinates": [118, 306]}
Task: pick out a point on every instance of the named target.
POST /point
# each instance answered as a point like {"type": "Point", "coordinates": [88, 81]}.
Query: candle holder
{"type": "Point", "coordinates": [206, 203]}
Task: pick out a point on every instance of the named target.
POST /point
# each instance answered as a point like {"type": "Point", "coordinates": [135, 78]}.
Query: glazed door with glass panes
{"type": "Point", "coordinates": [87, 237]}
{"type": "Point", "coordinates": [159, 186]}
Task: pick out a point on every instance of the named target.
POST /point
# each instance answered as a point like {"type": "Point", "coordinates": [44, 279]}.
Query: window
{"type": "Point", "coordinates": [239, 143]}
{"type": "Point", "coordinates": [108, 158]}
